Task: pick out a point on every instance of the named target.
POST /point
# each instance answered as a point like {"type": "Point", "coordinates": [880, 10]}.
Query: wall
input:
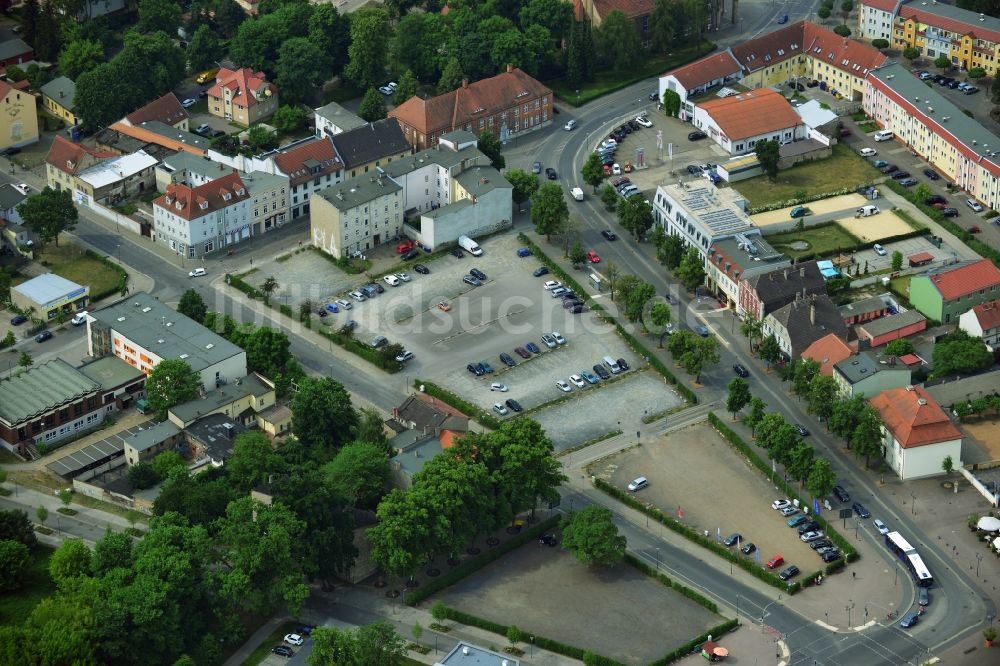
{"type": "Point", "coordinates": [924, 461]}
{"type": "Point", "coordinates": [490, 213]}
{"type": "Point", "coordinates": [121, 221]}
{"type": "Point", "coordinates": [901, 333]}
{"type": "Point", "coordinates": [230, 369]}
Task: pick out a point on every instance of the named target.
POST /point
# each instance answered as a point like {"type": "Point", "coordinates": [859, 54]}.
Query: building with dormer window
{"type": "Point", "coordinates": [196, 221]}
{"type": "Point", "coordinates": [243, 96]}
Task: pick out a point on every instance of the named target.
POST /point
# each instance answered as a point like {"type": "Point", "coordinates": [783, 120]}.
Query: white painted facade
{"type": "Point", "coordinates": [970, 323]}
{"type": "Point", "coordinates": [703, 120]}
{"type": "Point", "coordinates": [206, 233]}
{"type": "Point", "coordinates": [874, 23]}
{"type": "Point", "coordinates": [920, 461]}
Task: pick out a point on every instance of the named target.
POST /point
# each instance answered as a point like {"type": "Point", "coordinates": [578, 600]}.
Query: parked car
{"type": "Point", "coordinates": [475, 369]}
{"type": "Point", "coordinates": [795, 521]}
{"type": "Point", "coordinates": [540, 271]}
{"type": "Point", "coordinates": [557, 336]}
{"type": "Point", "coordinates": [932, 174]}
{"type": "Point", "coordinates": [953, 212]}
{"type": "Point", "coordinates": [830, 556]}
{"type": "Point", "coordinates": [478, 274]}
{"type": "Point", "coordinates": [457, 253]}
{"type": "Point", "coordinates": [522, 352]}
{"type": "Point", "coordinates": [934, 199]}
{"type": "Point", "coordinates": [808, 526]}
{"type": "Point", "coordinates": [563, 386]}
{"type": "Point", "coordinates": [878, 164]}
{"type": "Point", "coordinates": [889, 168]}
{"type": "Point", "coordinates": [389, 88]}
{"type": "Point", "coordinates": [907, 182]}
{"type": "Point", "coordinates": [868, 152]}
{"type": "Point", "coordinates": [801, 429]}
{"type": "Point", "coordinates": [822, 543]}
{"type": "Point", "coordinates": [487, 368]}
{"type": "Point", "coordinates": [910, 620]}
{"type": "Point", "coordinates": [420, 268]}
{"type": "Point", "coordinates": [638, 483]}
{"type": "Point", "coordinates": [693, 169]}
{"type": "Point", "coordinates": [741, 371]}
{"type": "Point", "coordinates": [775, 562]}
{"type": "Point", "coordinates": [974, 229]}
{"type": "Point", "coordinates": [469, 279]}
{"type": "Point", "coordinates": [811, 536]}
{"type": "Point", "coordinates": [748, 548]}
{"type": "Point", "coordinates": [589, 376]}
{"type": "Point", "coordinates": [644, 121]}
{"type": "Point", "coordinates": [592, 257]}
{"type": "Point", "coordinates": [410, 256]}
{"type": "Point", "coordinates": [497, 386]}
{"type": "Point", "coordinates": [523, 252]}
{"type": "Point", "coordinates": [900, 175]}
{"type": "Point", "coordinates": [17, 320]}
{"type": "Point", "coordinates": [879, 250]}
{"type": "Point", "coordinates": [696, 136]}
{"type": "Point", "coordinates": [43, 336]}
{"type": "Point", "coordinates": [533, 348]}
{"type": "Point", "coordinates": [974, 205]}
{"type": "Point", "coordinates": [601, 371]}
{"type": "Point", "coordinates": [514, 405]}
{"type": "Point", "coordinates": [549, 341]}
{"type": "Point", "coordinates": [332, 307]}
{"type": "Point", "coordinates": [198, 272]}
{"type": "Point", "coordinates": [799, 211]}
{"type": "Point", "coordinates": [622, 364]}
{"type": "Point", "coordinates": [777, 505]}
{"type": "Point", "coordinates": [732, 539]}
{"type": "Point", "coordinates": [500, 409]}
{"type": "Point", "coordinates": [789, 572]}
{"type": "Point", "coordinates": [548, 540]}
{"type": "Point", "coordinates": [404, 357]}
{"type": "Point", "coordinates": [294, 639]}
{"type": "Point", "coordinates": [860, 509]}
{"type": "Point", "coordinates": [552, 284]}
{"type": "Point", "coordinates": [507, 360]}
{"type": "Point", "coordinates": [880, 526]}
{"type": "Point", "coordinates": [788, 511]}
{"type": "Point", "coordinates": [577, 381]}
{"type": "Point", "coordinates": [841, 494]}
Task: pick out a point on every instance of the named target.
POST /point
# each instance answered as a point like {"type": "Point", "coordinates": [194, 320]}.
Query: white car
{"type": "Point", "coordinates": [79, 318]}
{"type": "Point", "coordinates": [552, 284]}
{"type": "Point", "coordinates": [558, 338]}
{"type": "Point", "coordinates": [500, 409]}
{"type": "Point", "coordinates": [404, 357]}
{"type": "Point", "coordinates": [198, 272]}
{"type": "Point", "coordinates": [616, 169]}
{"type": "Point", "coordinates": [868, 152]}
{"type": "Point", "coordinates": [389, 88]}
{"type": "Point", "coordinates": [879, 250]}
{"type": "Point", "coordinates": [391, 280]}
{"type": "Point", "coordinates": [405, 277]}
{"type": "Point", "coordinates": [570, 125]}
{"type": "Point", "coordinates": [577, 381]}
{"type": "Point", "coordinates": [497, 386]}
{"type": "Point", "coordinates": [778, 505]}
{"type": "Point", "coordinates": [344, 304]}
{"type": "Point", "coordinates": [22, 188]}
{"type": "Point", "coordinates": [880, 526]}
{"type": "Point", "coordinates": [202, 129]}
{"type": "Point", "coordinates": [563, 386]}
{"type": "Point", "coordinates": [188, 103]}
{"type": "Point", "coordinates": [294, 639]}
{"type": "Point", "coordinates": [644, 121]}
{"type": "Point", "coordinates": [549, 341]}
{"type": "Point", "coordinates": [358, 296]}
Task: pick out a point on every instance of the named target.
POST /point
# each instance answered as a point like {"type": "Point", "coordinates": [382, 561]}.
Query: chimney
{"type": "Point", "coordinates": [812, 314]}
{"type": "Point", "coordinates": [510, 68]}
{"type": "Point", "coordinates": [465, 83]}
{"type": "Point", "coordinates": [786, 274]}
{"type": "Point", "coordinates": [802, 272]}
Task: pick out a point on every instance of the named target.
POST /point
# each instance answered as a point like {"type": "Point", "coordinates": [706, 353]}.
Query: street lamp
{"type": "Point", "coordinates": [531, 646]}
{"type": "Point", "coordinates": [979, 560]}
{"type": "Point", "coordinates": [657, 558]}
{"type": "Point", "coordinates": [848, 607]}
{"type": "Point", "coordinates": [913, 506]}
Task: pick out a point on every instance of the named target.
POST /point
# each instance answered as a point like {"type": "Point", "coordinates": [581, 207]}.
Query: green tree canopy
{"type": "Point", "coordinates": [406, 88]}
{"type": "Point", "coordinates": [156, 15]}
{"type": "Point", "coordinates": [204, 49]}
{"type": "Point", "coordinates": [49, 213]}
{"type": "Point", "coordinates": [451, 77]}
{"type": "Point", "coordinates": [287, 118]}
{"type": "Point", "coordinates": [618, 41]}
{"type": "Point", "coordinates": [322, 413]}
{"type": "Point", "coordinates": [899, 347]}
{"type": "Point", "coordinates": [592, 536]}
{"type": "Point", "coordinates": [525, 184]}
{"type": "Point", "coordinates": [16, 526]}
{"type": "Point", "coordinates": [738, 396]}
{"type": "Point", "coordinates": [80, 56]}
{"type": "Point", "coordinates": [142, 475]}
{"type": "Point", "coordinates": [609, 197]}
{"type": "Point", "coordinates": [372, 106]}
{"type": "Point", "coordinates": [821, 479]}
{"type": "Point", "coordinates": [490, 146]}
{"type": "Point", "coordinates": [958, 353]}
{"type": "Point", "coordinates": [635, 214]}
{"type": "Point", "coordinates": [770, 349]}
{"type": "Point", "coordinates": [593, 171]}
{"type": "Point", "coordinates": [192, 305]}
{"type": "Point", "coordinates": [359, 472]}
{"type": "Point", "coordinates": [70, 560]}
{"type": "Point", "coordinates": [549, 212]}
{"type": "Point", "coordinates": [171, 382]}
{"type": "Point", "coordinates": [14, 562]}
{"type": "Point", "coordinates": [754, 417]}
{"type": "Point", "coordinates": [768, 154]}
{"type": "Point", "coordinates": [670, 250]}
{"type": "Point", "coordinates": [300, 70]}
{"type": "Point", "coordinates": [691, 271]}
{"type": "Point", "coordinates": [370, 33]}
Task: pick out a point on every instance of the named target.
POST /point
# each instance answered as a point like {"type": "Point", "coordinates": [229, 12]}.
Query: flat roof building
{"type": "Point", "coordinates": [49, 295]}
{"type": "Point", "coordinates": [467, 654]}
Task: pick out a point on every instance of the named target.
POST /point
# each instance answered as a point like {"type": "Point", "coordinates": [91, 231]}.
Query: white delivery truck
{"type": "Point", "coordinates": [866, 211]}
{"type": "Point", "coordinates": [470, 245]}
{"type": "Point", "coordinates": [577, 193]}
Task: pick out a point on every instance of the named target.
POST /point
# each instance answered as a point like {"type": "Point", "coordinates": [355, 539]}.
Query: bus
{"type": "Point", "coordinates": [909, 556]}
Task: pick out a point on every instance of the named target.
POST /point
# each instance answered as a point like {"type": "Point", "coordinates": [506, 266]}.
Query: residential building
{"type": "Point", "coordinates": [334, 119]}
{"type": "Point", "coordinates": [961, 149]}
{"type": "Point", "coordinates": [19, 120]}
{"type": "Point", "coordinates": [10, 199]}
{"type": "Point", "coordinates": [731, 260]}
{"type": "Point", "coordinates": [58, 99]}
{"type": "Point", "coordinates": [51, 401]}
{"type": "Point", "coordinates": [942, 294]}
{"type": "Point", "coordinates": [370, 146]}
{"type": "Point", "coordinates": [413, 449]}
{"type": "Point", "coordinates": [640, 11]}
{"type": "Point", "coordinates": [828, 351]}
{"type": "Point", "coordinates": [311, 166]}
{"type": "Point", "coordinates": [166, 109]}
{"type": "Point", "coordinates": [918, 434]}
{"type": "Point", "coordinates": [983, 321]}
{"type": "Point", "coordinates": [764, 293]}
{"type": "Point", "coordinates": [91, 9]}
{"type": "Point", "coordinates": [200, 220]}
{"type": "Point", "coordinates": [429, 415]}
{"type": "Point", "coordinates": [507, 105]}
{"type": "Point", "coordinates": [15, 51]}
{"type": "Point", "coordinates": [49, 296]}
{"type": "Point", "coordinates": [240, 400]}
{"type": "Point", "coordinates": [114, 180]}
{"type": "Point", "coordinates": [166, 136]}
{"type": "Point", "coordinates": [969, 39]}
{"type": "Point", "coordinates": [717, 69]}
{"type": "Point", "coordinates": [211, 439]}
{"type": "Point", "coordinates": [142, 331]}
{"type": "Point", "coordinates": [243, 96]}
{"type": "Point", "coordinates": [878, 332]}
{"type": "Point", "coordinates": [66, 159]}
{"type": "Point", "coordinates": [145, 444]}
{"type": "Point", "coordinates": [467, 654]}
{"type": "Point", "coordinates": [738, 122]}
{"type": "Point", "coordinates": [450, 188]}
{"type": "Point", "coordinates": [802, 322]}
{"type": "Point", "coordinates": [869, 374]}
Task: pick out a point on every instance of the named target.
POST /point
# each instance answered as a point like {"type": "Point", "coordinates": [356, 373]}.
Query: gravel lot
{"type": "Point", "coordinates": [695, 469]}
{"type": "Point", "coordinates": [546, 591]}
{"type": "Point", "coordinates": [600, 408]}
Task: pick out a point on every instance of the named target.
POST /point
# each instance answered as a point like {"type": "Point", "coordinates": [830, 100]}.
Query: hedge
{"type": "Point", "coordinates": [672, 584]}
{"type": "Point", "coordinates": [458, 403]}
{"type": "Point", "coordinates": [472, 565]}
{"type": "Point", "coordinates": [358, 348]}
{"type": "Point", "coordinates": [122, 276]}
{"type": "Point", "coordinates": [696, 643]}
{"type": "Point", "coordinates": [247, 288]}
{"type": "Point", "coordinates": [850, 553]}
{"type": "Point", "coordinates": [807, 199]}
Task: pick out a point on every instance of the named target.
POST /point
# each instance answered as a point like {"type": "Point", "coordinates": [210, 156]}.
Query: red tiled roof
{"type": "Point", "coordinates": [709, 68]}
{"type": "Point", "coordinates": [630, 8]}
{"type": "Point", "coordinates": [921, 257]}
{"type": "Point", "coordinates": [909, 359]}
{"type": "Point", "coordinates": [70, 157]}
{"type": "Point", "coordinates": [186, 201]}
{"type": "Point", "coordinates": [913, 417]}
{"type": "Point", "coordinates": [884, 5]}
{"type": "Point", "coordinates": [965, 279]}
{"type": "Point", "coordinates": [298, 162]}
{"type": "Point", "coordinates": [751, 113]}
{"type": "Point", "coordinates": [143, 134]}
{"type": "Point", "coordinates": [166, 109]}
{"type": "Point", "coordinates": [240, 81]}
{"type": "Point", "coordinates": [988, 314]}
{"type": "Point", "coordinates": [827, 351]}
{"type": "Point", "coordinates": [809, 39]}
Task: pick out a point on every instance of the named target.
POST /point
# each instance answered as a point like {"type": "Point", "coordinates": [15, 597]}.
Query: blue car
{"type": "Point", "coordinates": [795, 521]}
{"type": "Point", "coordinates": [524, 252]}
{"type": "Point", "coordinates": [589, 376]}
{"type": "Point", "coordinates": [332, 307]}
{"type": "Point", "coordinates": [783, 19]}
{"type": "Point", "coordinates": [702, 330]}
{"type": "Point", "coordinates": [910, 620]}
{"type": "Point", "coordinates": [533, 348]}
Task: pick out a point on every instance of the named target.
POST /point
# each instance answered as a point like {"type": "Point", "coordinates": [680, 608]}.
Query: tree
{"type": "Point", "coordinates": [592, 171]}
{"type": "Point", "coordinates": [867, 438]}
{"type": "Point", "coordinates": [358, 473]}
{"type": "Point", "coordinates": [15, 560]}
{"type": "Point", "coordinates": [947, 465]}
{"type": "Point", "coordinates": [842, 30]}
{"type": "Point", "coordinates": [911, 53]}
{"type": "Point", "coordinates": [846, 413]}
{"type": "Point", "coordinates": [880, 44]}
{"type": "Point", "coordinates": [899, 347]}
{"type": "Point", "coordinates": [897, 260]}
{"type": "Point", "coordinates": [752, 328]}
{"type": "Point", "coordinates": [577, 255]}
{"type": "Point", "coordinates": [42, 514]}
{"type": "Point", "coordinates": [451, 76]}
{"type": "Point", "coordinates": [670, 251]}
{"type": "Point", "coordinates": [49, 213]}
{"type": "Point", "coordinates": [372, 106]}
{"type": "Point", "coordinates": [490, 146]}
{"type": "Point", "coordinates": [609, 197]}
{"type": "Point", "coordinates": [823, 13]}
{"type": "Point", "coordinates": [659, 316]}
{"type": "Point", "coordinates": [370, 33]}
{"type": "Point", "coordinates": [738, 396]}
{"type": "Point", "coordinates": [261, 139]}
{"type": "Point", "coordinates": [611, 273]}
{"type": "Point", "coordinates": [70, 560]}
{"type": "Point", "coordinates": [514, 635]}
{"type": "Point", "coordinates": [414, 45]}
{"type": "Point", "coordinates": [142, 475]}
{"type": "Point", "coordinates": [846, 7]}
{"type": "Point", "coordinates": [942, 62]}
{"type": "Point", "coordinates": [671, 103]}
{"type": "Point", "coordinates": [822, 396]}
{"type": "Point", "coordinates": [821, 479]}
{"type": "Point", "coordinates": [417, 631]}
{"type": "Point", "coordinates": [618, 41]}
{"type": "Point", "coordinates": [524, 184]}
{"type": "Point", "coordinates": [920, 194]}
{"type": "Point", "coordinates": [636, 215]}
{"type": "Point", "coordinates": [204, 49]}
{"type": "Point", "coordinates": [15, 526]}
{"type": "Point", "coordinates": [768, 155]}
{"type": "Point", "coordinates": [80, 56]}
{"type": "Point", "coordinates": [157, 15]}
{"type": "Point", "coordinates": [300, 70]}
{"type": "Point", "coordinates": [805, 370]}
{"type": "Point", "coordinates": [637, 300]}
{"type": "Point", "coordinates": [25, 360]}
{"type": "Point", "coordinates": [253, 462]}
{"type": "Point", "coordinates": [753, 418]}
{"type": "Point", "coordinates": [171, 382]}
{"type": "Point", "coordinates": [377, 644]}
{"type": "Point", "coordinates": [800, 462]}
{"type": "Point", "coordinates": [959, 353]}
{"type": "Point", "coordinates": [371, 429]}
{"type": "Point", "coordinates": [192, 305]}
{"type": "Point", "coordinates": [407, 88]}
{"type": "Point", "coordinates": [691, 271]}
{"type": "Point", "coordinates": [269, 286]}
{"type": "Point", "coordinates": [977, 73]}
{"type": "Point", "coordinates": [322, 413]}
{"type": "Point", "coordinates": [592, 536]}
{"type": "Point", "coordinates": [549, 212]}
{"type": "Point", "coordinates": [770, 350]}
{"type": "Point", "coordinates": [626, 285]}
{"type": "Point", "coordinates": [288, 118]}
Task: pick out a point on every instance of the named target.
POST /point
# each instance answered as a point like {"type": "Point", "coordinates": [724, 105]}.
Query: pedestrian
{"type": "Point", "coordinates": [854, 575]}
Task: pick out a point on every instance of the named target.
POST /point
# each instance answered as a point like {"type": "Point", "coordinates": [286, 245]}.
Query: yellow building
{"type": "Point", "coordinates": [19, 120]}
{"type": "Point", "coordinates": [57, 98]}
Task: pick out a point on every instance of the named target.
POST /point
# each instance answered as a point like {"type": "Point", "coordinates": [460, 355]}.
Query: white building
{"type": "Point", "coordinates": [142, 331]}
{"type": "Point", "coordinates": [195, 221]}
{"type": "Point", "coordinates": [983, 321]}
{"type": "Point", "coordinates": [334, 119]}
{"type": "Point", "coordinates": [738, 122]}
{"type": "Point", "coordinates": [875, 19]}
{"type": "Point", "coordinates": [697, 77]}
{"type": "Point", "coordinates": [918, 435]}
{"type": "Point", "coordinates": [701, 213]}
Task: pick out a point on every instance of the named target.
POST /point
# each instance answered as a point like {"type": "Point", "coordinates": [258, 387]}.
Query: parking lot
{"type": "Point", "coordinates": [696, 472]}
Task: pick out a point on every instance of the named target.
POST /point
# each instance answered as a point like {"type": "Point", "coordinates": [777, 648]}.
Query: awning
{"type": "Point", "coordinates": [989, 523]}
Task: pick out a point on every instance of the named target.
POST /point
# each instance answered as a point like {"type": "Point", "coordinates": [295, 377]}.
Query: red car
{"type": "Point", "coordinates": [592, 257]}
{"type": "Point", "coordinates": [974, 229]}
{"type": "Point", "coordinates": [607, 170]}
{"type": "Point", "coordinates": [403, 248]}
{"type": "Point", "coordinates": [775, 562]}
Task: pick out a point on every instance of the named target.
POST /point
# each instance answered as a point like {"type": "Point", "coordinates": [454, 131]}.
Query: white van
{"type": "Point", "coordinates": [612, 365]}
{"type": "Point", "coordinates": [595, 280]}
{"type": "Point", "coordinates": [866, 211]}
{"type": "Point", "coordinates": [884, 135]}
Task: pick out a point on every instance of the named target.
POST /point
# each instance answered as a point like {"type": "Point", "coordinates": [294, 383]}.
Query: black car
{"type": "Point", "coordinates": [508, 360]}
{"type": "Point", "coordinates": [478, 274]}
{"type": "Point", "coordinates": [932, 174]}
{"type": "Point", "coordinates": [550, 173]}
{"type": "Point", "coordinates": [283, 651]}
{"type": "Point", "coordinates": [572, 303]}
{"type": "Point", "coordinates": [540, 271]}
{"type": "Point", "coordinates": [13, 150]}
{"type": "Point", "coordinates": [476, 369]}
{"type": "Point", "coordinates": [654, 96]}
{"type": "Point", "coordinates": [860, 509]}
{"type": "Point", "coordinates": [568, 296]}
{"type": "Point", "coordinates": [457, 252]}
{"type": "Point", "coordinates": [411, 255]}
{"type": "Point", "coordinates": [609, 235]}
{"type": "Point", "coordinates": [832, 556]}
{"type": "Point", "coordinates": [43, 336]}
{"type": "Point", "coordinates": [808, 526]}
{"type": "Point", "coordinates": [789, 572]}
{"type": "Point", "coordinates": [601, 371]}
{"type": "Point", "coordinates": [694, 169]}
{"type": "Point", "coordinates": [522, 352]}
{"type": "Point", "coordinates": [900, 175]}
{"type": "Point", "coordinates": [934, 199]}
{"type": "Point", "coordinates": [949, 212]}
{"type": "Point", "coordinates": [741, 371]}
{"type": "Point", "coordinates": [812, 84]}
{"type": "Point", "coordinates": [379, 288]}
{"type": "Point", "coordinates": [696, 136]}
{"type": "Point", "coordinates": [17, 320]}
{"type": "Point", "coordinates": [841, 494]}
{"type": "Point", "coordinates": [577, 309]}
{"type": "Point", "coordinates": [548, 540]}
{"type": "Point", "coordinates": [533, 348]}
{"type": "Point", "coordinates": [801, 429]}
{"type": "Point", "coordinates": [822, 543]}
{"type": "Point", "coordinates": [420, 268]}
{"type": "Point", "coordinates": [215, 134]}
{"type": "Point", "coordinates": [634, 126]}
{"type": "Point", "coordinates": [473, 280]}
{"type": "Point", "coordinates": [748, 548]}
{"type": "Point", "coordinates": [622, 364]}
{"type": "Point", "coordinates": [350, 325]}
{"type": "Point", "coordinates": [732, 539]}
{"type": "Point", "coordinates": [514, 405]}
{"type": "Point", "coordinates": [889, 168]}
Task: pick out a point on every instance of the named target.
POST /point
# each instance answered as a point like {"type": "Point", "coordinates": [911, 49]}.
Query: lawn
{"type": "Point", "coordinates": [823, 240]}
{"type": "Point", "coordinates": [71, 262]}
{"type": "Point", "coordinates": [844, 169]}
{"type": "Point", "coordinates": [17, 605]}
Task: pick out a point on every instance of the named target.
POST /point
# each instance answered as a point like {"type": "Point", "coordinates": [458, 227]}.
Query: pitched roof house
{"type": "Point", "coordinates": [945, 293]}
{"type": "Point", "coordinates": [195, 221]}
{"type": "Point", "coordinates": [918, 434]}
{"type": "Point", "coordinates": [310, 166]}
{"type": "Point", "coordinates": [243, 96]}
{"type": "Point", "coordinates": [65, 159]}
{"type": "Point", "coordinates": [828, 351]}
{"type": "Point", "coordinates": [765, 292]}
{"type": "Point", "coordinates": [370, 145]}
{"type": "Point", "coordinates": [983, 321]}
{"type": "Point", "coordinates": [798, 324]}
{"type": "Point", "coordinates": [506, 104]}
{"type": "Point", "coordinates": [166, 109]}
{"type": "Point", "coordinates": [738, 122]}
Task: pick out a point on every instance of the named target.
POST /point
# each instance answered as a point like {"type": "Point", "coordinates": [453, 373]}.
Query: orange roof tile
{"type": "Point", "coordinates": [71, 157]}
{"type": "Point", "coordinates": [913, 417]}
{"type": "Point", "coordinates": [186, 202]}
{"type": "Point", "coordinates": [808, 38]}
{"type": "Point", "coordinates": [988, 314]}
{"type": "Point", "coordinates": [966, 278]}
{"type": "Point", "coordinates": [630, 8]}
{"type": "Point", "coordinates": [299, 162]}
{"type": "Point", "coordinates": [710, 68]}
{"type": "Point", "coordinates": [166, 109]}
{"type": "Point", "coordinates": [827, 351]}
{"type": "Point", "coordinates": [149, 136]}
{"type": "Point", "coordinates": [909, 359]}
{"type": "Point", "coordinates": [751, 113]}
{"type": "Point", "coordinates": [241, 81]}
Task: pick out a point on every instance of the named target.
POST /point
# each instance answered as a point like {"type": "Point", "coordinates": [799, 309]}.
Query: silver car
{"type": "Point", "coordinates": [549, 341]}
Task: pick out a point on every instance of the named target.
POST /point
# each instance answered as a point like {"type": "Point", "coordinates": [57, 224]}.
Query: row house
{"type": "Point", "coordinates": [197, 221]}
